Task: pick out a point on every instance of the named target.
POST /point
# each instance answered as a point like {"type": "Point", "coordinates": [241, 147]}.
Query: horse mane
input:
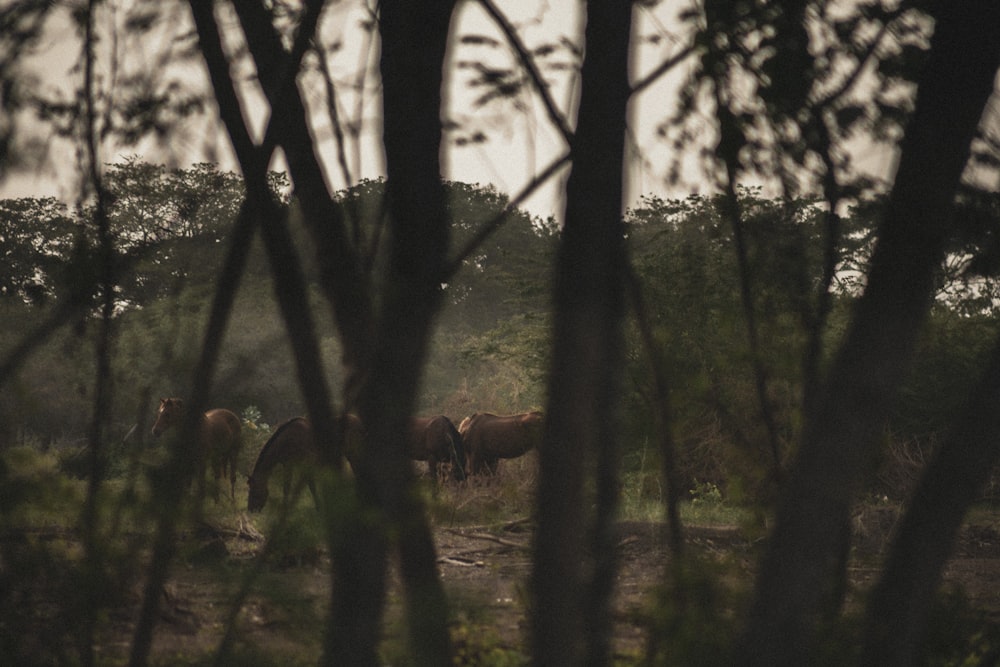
{"type": "Point", "coordinates": [465, 422]}
{"type": "Point", "coordinates": [274, 436]}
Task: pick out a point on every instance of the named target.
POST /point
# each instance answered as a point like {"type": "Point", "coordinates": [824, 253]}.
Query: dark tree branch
{"type": "Point", "coordinates": [728, 148]}
{"type": "Point", "coordinates": [181, 467]}
{"type": "Point", "coordinates": [342, 278]}
{"type": "Point", "coordinates": [102, 378]}
{"type": "Point", "coordinates": [182, 464]}
{"type": "Point", "coordinates": [662, 69]}
{"type": "Point", "coordinates": [661, 415]}
{"type": "Point", "coordinates": [414, 40]}
{"type": "Point", "coordinates": [528, 62]}
{"type": "Point", "coordinates": [897, 613]}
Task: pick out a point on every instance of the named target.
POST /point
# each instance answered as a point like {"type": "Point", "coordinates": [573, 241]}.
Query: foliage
{"type": "Point", "coordinates": [46, 577]}
{"type": "Point", "coordinates": [492, 334]}
{"type": "Point", "coordinates": [793, 87]}
{"type": "Point", "coordinates": [492, 343]}
{"type": "Point", "coordinates": [152, 203]}
{"type": "Point", "coordinates": [683, 253]}
{"type": "Point", "coordinates": [37, 237]}
{"type": "Point", "coordinates": [959, 634]}
{"type": "Point", "coordinates": [689, 624]}
{"type": "Point", "coordinates": [953, 348]}
{"type": "Point", "coordinates": [476, 645]}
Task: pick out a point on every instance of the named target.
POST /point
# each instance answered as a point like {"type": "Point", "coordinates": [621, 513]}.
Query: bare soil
{"type": "Point", "coordinates": [485, 571]}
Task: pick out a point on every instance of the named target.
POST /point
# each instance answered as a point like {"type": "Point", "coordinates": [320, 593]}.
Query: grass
{"type": "Point", "coordinates": [283, 614]}
{"type": "Point", "coordinates": [643, 499]}
{"type": "Point", "coordinates": [486, 500]}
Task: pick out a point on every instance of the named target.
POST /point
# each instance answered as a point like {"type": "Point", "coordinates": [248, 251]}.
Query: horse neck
{"type": "Point", "coordinates": [273, 453]}
{"type": "Point", "coordinates": [178, 421]}
{"type": "Point", "coordinates": [266, 461]}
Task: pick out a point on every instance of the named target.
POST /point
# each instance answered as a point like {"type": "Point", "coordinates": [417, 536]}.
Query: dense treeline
{"type": "Point", "coordinates": [491, 344]}
{"type": "Point", "coordinates": [174, 255]}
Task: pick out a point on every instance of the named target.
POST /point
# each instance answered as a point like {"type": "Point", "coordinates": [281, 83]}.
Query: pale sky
{"type": "Point", "coordinates": [519, 139]}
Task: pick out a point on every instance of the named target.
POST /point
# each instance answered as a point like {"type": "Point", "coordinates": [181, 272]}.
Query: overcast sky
{"type": "Point", "coordinates": [517, 139]}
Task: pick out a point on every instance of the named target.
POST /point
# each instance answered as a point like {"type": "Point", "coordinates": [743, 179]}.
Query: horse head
{"type": "Point", "coordinates": [170, 412]}
{"type": "Point", "coordinates": [256, 493]}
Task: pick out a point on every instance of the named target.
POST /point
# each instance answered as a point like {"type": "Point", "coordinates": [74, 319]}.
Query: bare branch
{"type": "Point", "coordinates": [555, 116]}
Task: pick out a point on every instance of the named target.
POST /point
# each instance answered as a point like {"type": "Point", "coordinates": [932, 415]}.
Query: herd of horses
{"type": "Point", "coordinates": [474, 447]}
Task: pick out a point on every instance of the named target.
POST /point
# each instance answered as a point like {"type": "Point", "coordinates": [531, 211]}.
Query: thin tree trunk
{"type": "Point", "coordinates": [276, 69]}
{"type": "Point", "coordinates": [342, 278]}
{"type": "Point", "coordinates": [570, 614]}
{"type": "Point", "coordinates": [660, 404]}
{"type": "Point", "coordinates": [384, 367]}
{"type": "Point", "coordinates": [182, 467]}
{"type": "Point", "coordinates": [169, 491]}
{"type": "Point", "coordinates": [840, 435]}
{"type": "Point", "coordinates": [91, 592]}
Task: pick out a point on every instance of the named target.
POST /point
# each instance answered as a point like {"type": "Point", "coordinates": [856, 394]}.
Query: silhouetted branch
{"type": "Point", "coordinates": [556, 118]}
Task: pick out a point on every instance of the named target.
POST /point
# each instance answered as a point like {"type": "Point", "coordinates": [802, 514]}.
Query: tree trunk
{"type": "Point", "coordinates": [182, 467]}
{"type": "Point", "coordinates": [414, 40]}
{"type": "Point", "coordinates": [384, 368]}
{"type": "Point", "coordinates": [841, 431]}
{"type": "Point", "coordinates": [570, 615]}
{"type": "Point", "coordinates": [899, 605]}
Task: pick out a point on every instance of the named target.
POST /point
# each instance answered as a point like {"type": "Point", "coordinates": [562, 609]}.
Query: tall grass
{"type": "Point", "coordinates": [643, 498]}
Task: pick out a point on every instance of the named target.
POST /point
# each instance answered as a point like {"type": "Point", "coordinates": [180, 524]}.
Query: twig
{"type": "Point", "coordinates": [491, 538]}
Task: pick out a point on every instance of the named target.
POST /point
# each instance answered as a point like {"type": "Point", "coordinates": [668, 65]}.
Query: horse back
{"type": "Point", "coordinates": [505, 436]}
{"type": "Point", "coordinates": [442, 430]}
{"type": "Point", "coordinates": [419, 438]}
{"type": "Point", "coordinates": [291, 441]}
{"type": "Point", "coordinates": [222, 428]}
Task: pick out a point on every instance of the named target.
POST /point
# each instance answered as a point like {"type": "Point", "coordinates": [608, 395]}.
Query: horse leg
{"type": "Point", "coordinates": [457, 466]}
{"type": "Point", "coordinates": [200, 486]}
{"type": "Point", "coordinates": [217, 471]}
{"type": "Point", "coordinates": [232, 476]}
{"type": "Point", "coordinates": [286, 484]}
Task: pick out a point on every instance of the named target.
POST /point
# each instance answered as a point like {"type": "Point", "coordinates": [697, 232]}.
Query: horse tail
{"type": "Point", "coordinates": [457, 449]}
{"type": "Point", "coordinates": [236, 426]}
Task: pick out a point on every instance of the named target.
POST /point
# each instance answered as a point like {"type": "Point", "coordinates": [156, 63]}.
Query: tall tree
{"type": "Point", "coordinates": [840, 434]}
{"type": "Point", "coordinates": [570, 623]}
{"type": "Point", "coordinates": [414, 40]}
{"type": "Point", "coordinates": [385, 366]}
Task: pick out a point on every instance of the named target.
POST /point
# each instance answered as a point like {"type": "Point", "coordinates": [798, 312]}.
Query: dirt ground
{"type": "Point", "coordinates": [485, 572]}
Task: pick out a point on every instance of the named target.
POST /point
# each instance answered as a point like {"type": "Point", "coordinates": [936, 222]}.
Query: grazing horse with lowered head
{"type": "Point", "coordinates": [292, 445]}
{"type": "Point", "coordinates": [489, 438]}
{"type": "Point", "coordinates": [437, 441]}
{"type": "Point", "coordinates": [219, 439]}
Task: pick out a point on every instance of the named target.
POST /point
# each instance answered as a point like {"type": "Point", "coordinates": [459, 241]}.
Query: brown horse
{"type": "Point", "coordinates": [489, 438]}
{"type": "Point", "coordinates": [436, 440]}
{"type": "Point", "coordinates": [292, 444]}
{"type": "Point", "coordinates": [218, 435]}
